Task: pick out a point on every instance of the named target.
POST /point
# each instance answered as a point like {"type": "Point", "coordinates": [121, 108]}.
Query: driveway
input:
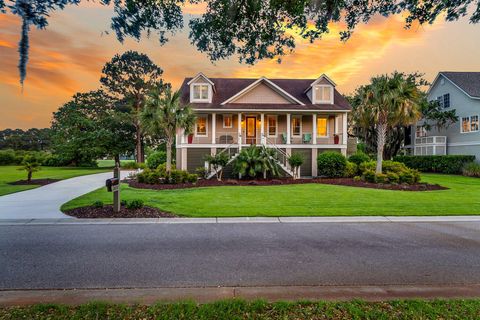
{"type": "Point", "coordinates": [44, 202]}
{"type": "Point", "coordinates": [242, 254]}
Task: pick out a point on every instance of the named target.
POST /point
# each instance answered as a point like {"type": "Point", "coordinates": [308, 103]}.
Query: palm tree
{"type": "Point", "coordinates": [31, 165]}
{"type": "Point", "coordinates": [389, 101]}
{"type": "Point", "coordinates": [164, 115]}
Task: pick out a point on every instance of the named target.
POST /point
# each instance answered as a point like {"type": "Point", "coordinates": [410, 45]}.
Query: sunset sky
{"type": "Point", "coordinates": [68, 56]}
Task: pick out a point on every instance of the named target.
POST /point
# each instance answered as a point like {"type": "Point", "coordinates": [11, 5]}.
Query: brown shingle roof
{"type": "Point", "coordinates": [228, 87]}
{"type": "Point", "coordinates": [467, 81]}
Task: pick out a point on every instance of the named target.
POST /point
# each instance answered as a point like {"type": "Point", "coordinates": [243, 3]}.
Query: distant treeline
{"type": "Point", "coordinates": [30, 140]}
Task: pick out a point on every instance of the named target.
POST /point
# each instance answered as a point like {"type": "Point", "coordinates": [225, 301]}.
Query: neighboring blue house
{"type": "Point", "coordinates": [459, 91]}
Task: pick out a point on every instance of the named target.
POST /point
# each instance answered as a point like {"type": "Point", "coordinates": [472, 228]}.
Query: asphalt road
{"type": "Point", "coordinates": [250, 254]}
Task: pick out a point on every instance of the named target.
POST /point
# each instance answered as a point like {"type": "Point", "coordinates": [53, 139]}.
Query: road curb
{"type": "Point", "coordinates": [235, 220]}
{"type": "Point", "coordinates": [210, 294]}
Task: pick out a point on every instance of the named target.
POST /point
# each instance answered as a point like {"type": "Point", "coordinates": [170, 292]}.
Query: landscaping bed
{"type": "Point", "coordinates": [36, 182]}
{"type": "Point", "coordinates": [94, 212]}
{"type": "Point", "coordinates": [286, 181]}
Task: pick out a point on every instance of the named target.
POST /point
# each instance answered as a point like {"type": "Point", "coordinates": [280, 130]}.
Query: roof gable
{"type": "Point", "coordinates": [467, 82]}
{"type": "Point", "coordinates": [200, 76]}
{"type": "Point", "coordinates": [279, 91]}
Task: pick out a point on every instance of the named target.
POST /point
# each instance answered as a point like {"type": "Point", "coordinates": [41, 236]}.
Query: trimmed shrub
{"type": "Point", "coordinates": [369, 176]}
{"type": "Point", "coordinates": [367, 166]}
{"type": "Point", "coordinates": [452, 164]}
{"type": "Point", "coordinates": [156, 158]}
{"type": "Point", "coordinates": [192, 178]}
{"type": "Point", "coordinates": [393, 166]}
{"type": "Point", "coordinates": [351, 169]}
{"type": "Point", "coordinates": [134, 204]}
{"type": "Point", "coordinates": [201, 172]}
{"type": "Point", "coordinates": [381, 178]}
{"type": "Point", "coordinates": [471, 169]}
{"type": "Point", "coordinates": [132, 165]}
{"type": "Point", "coordinates": [357, 178]}
{"type": "Point", "coordinates": [149, 176]}
{"type": "Point", "coordinates": [177, 176]}
{"type": "Point", "coordinates": [7, 157]}
{"type": "Point", "coordinates": [359, 157]}
{"type": "Point", "coordinates": [331, 164]}
{"type": "Point", "coordinates": [392, 177]}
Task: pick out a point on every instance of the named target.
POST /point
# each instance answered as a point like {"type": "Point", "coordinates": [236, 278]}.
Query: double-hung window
{"type": "Point", "coordinates": [420, 132]}
{"type": "Point", "coordinates": [474, 123]}
{"type": "Point", "coordinates": [323, 94]}
{"type": "Point", "coordinates": [227, 121]}
{"type": "Point", "coordinates": [272, 126]}
{"type": "Point", "coordinates": [200, 92]}
{"type": "Point", "coordinates": [446, 100]}
{"type": "Point", "coordinates": [469, 124]}
{"type": "Point", "coordinates": [297, 126]}
{"type": "Point", "coordinates": [201, 126]}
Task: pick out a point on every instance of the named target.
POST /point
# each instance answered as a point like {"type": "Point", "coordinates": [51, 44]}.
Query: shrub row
{"type": "Point", "coordinates": [471, 169]}
{"type": "Point", "coordinates": [159, 176]}
{"type": "Point", "coordinates": [452, 164]}
{"type": "Point", "coordinates": [11, 157]}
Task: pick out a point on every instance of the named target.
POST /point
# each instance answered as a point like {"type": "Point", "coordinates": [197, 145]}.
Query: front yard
{"type": "Point", "coordinates": [10, 174]}
{"type": "Point", "coordinates": [462, 198]}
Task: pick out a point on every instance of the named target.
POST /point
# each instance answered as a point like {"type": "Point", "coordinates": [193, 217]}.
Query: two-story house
{"type": "Point", "coordinates": [459, 91]}
{"type": "Point", "coordinates": [291, 115]}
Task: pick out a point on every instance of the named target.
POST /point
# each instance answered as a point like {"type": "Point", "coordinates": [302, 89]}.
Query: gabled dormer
{"type": "Point", "coordinates": [201, 89]}
{"type": "Point", "coordinates": [321, 91]}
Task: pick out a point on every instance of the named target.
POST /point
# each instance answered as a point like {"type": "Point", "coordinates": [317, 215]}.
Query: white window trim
{"type": "Point", "coordinates": [314, 96]}
{"type": "Point", "coordinates": [301, 126]}
{"type": "Point", "coordinates": [209, 92]}
{"type": "Point", "coordinates": [231, 121]}
{"type": "Point", "coordinates": [469, 124]}
{"type": "Point", "coordinates": [276, 126]}
{"type": "Point", "coordinates": [206, 126]}
{"type": "Point", "coordinates": [328, 127]}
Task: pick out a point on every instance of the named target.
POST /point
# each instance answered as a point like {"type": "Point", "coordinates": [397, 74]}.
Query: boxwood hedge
{"type": "Point", "coordinates": [452, 164]}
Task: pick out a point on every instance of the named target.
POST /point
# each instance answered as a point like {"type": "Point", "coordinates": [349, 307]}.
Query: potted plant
{"type": "Point", "coordinates": [336, 139]}
{"type": "Point", "coordinates": [190, 138]}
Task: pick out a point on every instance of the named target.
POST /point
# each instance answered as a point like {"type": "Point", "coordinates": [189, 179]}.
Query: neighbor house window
{"type": "Point", "coordinates": [446, 100]}
{"type": "Point", "coordinates": [323, 94]}
{"type": "Point", "coordinates": [321, 127]}
{"type": "Point", "coordinates": [465, 124]}
{"type": "Point", "coordinates": [201, 126]}
{"type": "Point", "coordinates": [272, 126]}
{"type": "Point", "coordinates": [200, 92]}
{"type": "Point", "coordinates": [420, 132]}
{"type": "Point", "coordinates": [469, 124]}
{"type": "Point", "coordinates": [297, 126]}
{"type": "Point", "coordinates": [227, 121]}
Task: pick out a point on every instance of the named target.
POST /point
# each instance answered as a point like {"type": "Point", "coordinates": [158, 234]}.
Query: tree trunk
{"type": "Point", "coordinates": [139, 146]}
{"type": "Point", "coordinates": [169, 155]}
{"type": "Point", "coordinates": [381, 135]}
{"type": "Point", "coordinates": [29, 176]}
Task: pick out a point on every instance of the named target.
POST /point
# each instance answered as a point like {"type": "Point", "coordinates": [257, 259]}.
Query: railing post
{"type": "Point", "coordinates": [214, 127]}
{"type": "Point", "coordinates": [288, 128]}
{"type": "Point", "coordinates": [239, 131]}
{"type": "Point", "coordinates": [344, 128]}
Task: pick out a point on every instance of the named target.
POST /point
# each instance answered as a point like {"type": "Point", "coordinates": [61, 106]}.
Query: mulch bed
{"type": "Point", "coordinates": [36, 182]}
{"type": "Point", "coordinates": [107, 212]}
{"type": "Point", "coordinates": [269, 182]}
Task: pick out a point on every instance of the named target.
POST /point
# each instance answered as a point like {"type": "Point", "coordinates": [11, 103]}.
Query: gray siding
{"type": "Point", "coordinates": [195, 158]}
{"type": "Point", "coordinates": [457, 142]}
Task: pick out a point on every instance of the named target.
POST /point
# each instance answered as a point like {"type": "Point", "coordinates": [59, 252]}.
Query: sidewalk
{"type": "Point", "coordinates": [66, 220]}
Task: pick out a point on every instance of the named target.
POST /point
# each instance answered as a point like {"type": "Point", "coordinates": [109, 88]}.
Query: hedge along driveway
{"type": "Point", "coordinates": [305, 200]}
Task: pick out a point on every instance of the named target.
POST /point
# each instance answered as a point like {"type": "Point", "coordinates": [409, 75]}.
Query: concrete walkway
{"type": "Point", "coordinates": [44, 202]}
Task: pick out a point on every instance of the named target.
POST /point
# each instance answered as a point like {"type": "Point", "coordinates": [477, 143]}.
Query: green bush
{"type": "Point", "coordinates": [331, 164]}
{"type": "Point", "coordinates": [357, 178]}
{"type": "Point", "coordinates": [359, 157]}
{"type": "Point", "coordinates": [98, 204]}
{"type": "Point", "coordinates": [452, 164]}
{"type": "Point", "coordinates": [392, 177]}
{"type": "Point", "coordinates": [393, 166]}
{"type": "Point", "coordinates": [369, 176]}
{"type": "Point", "coordinates": [367, 166]}
{"type": "Point", "coordinates": [177, 176]}
{"type": "Point", "coordinates": [351, 170]}
{"type": "Point", "coordinates": [192, 178]}
{"type": "Point", "coordinates": [381, 178]}
{"type": "Point", "coordinates": [131, 165]}
{"type": "Point", "coordinates": [471, 169]}
{"type": "Point", "coordinates": [134, 204]}
{"type": "Point", "coordinates": [201, 172]}
{"type": "Point", "coordinates": [54, 160]}
{"type": "Point", "coordinates": [149, 176]}
{"type": "Point", "coordinates": [156, 158]}
{"type": "Point", "coordinates": [7, 157]}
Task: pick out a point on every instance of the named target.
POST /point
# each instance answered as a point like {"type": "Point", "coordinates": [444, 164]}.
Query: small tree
{"type": "Point", "coordinates": [295, 160]}
{"type": "Point", "coordinates": [269, 160]}
{"type": "Point", "coordinates": [31, 165]}
{"type": "Point", "coordinates": [218, 162]}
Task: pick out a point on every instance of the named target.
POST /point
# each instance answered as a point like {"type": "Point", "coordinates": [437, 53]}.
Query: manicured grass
{"type": "Point", "coordinates": [238, 309]}
{"type": "Point", "coordinates": [11, 174]}
{"type": "Point", "coordinates": [305, 200]}
{"type": "Point", "coordinates": [110, 163]}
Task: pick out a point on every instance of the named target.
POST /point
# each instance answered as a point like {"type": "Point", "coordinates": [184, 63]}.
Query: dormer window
{"type": "Point", "coordinates": [323, 94]}
{"type": "Point", "coordinates": [200, 92]}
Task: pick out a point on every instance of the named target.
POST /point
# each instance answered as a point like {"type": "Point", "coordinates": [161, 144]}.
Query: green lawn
{"type": "Point", "coordinates": [11, 174]}
{"type": "Point", "coordinates": [238, 309]}
{"type": "Point", "coordinates": [110, 163]}
{"type": "Point", "coordinates": [463, 198]}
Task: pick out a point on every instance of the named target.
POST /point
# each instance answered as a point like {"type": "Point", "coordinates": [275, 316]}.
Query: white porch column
{"type": "Point", "coordinates": [183, 165]}
{"type": "Point", "coordinates": [314, 129]}
{"type": "Point", "coordinates": [262, 129]}
{"type": "Point", "coordinates": [344, 129]}
{"type": "Point", "coordinates": [314, 162]}
{"type": "Point", "coordinates": [214, 127]}
{"type": "Point", "coordinates": [288, 128]}
{"type": "Point", "coordinates": [239, 131]}
{"type": "Point", "coordinates": [182, 136]}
